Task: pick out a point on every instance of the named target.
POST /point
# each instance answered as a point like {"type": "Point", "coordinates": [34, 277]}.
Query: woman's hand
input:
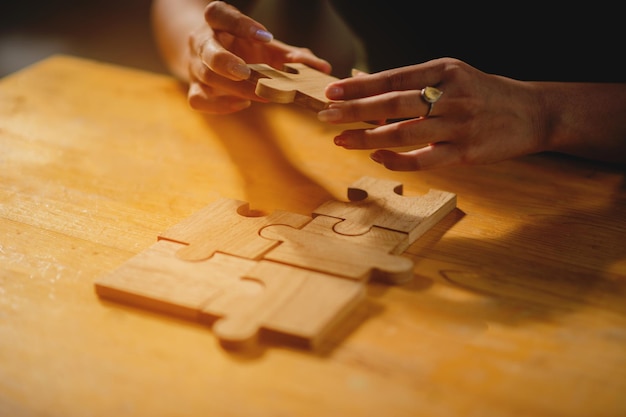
{"type": "Point", "coordinates": [480, 118]}
{"type": "Point", "coordinates": [219, 51]}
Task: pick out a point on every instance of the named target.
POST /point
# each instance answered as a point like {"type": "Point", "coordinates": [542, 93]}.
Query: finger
{"type": "Point", "coordinates": [279, 53]}
{"type": "Point", "coordinates": [398, 79]}
{"type": "Point", "coordinates": [395, 161]}
{"type": "Point", "coordinates": [357, 73]}
{"type": "Point", "coordinates": [411, 133]}
{"type": "Point", "coordinates": [221, 60]}
{"type": "Point", "coordinates": [222, 16]}
{"type": "Point", "coordinates": [203, 99]}
{"type": "Point", "coordinates": [437, 155]}
{"type": "Point", "coordinates": [226, 22]}
{"type": "Point", "coordinates": [305, 56]}
{"type": "Point", "coordinates": [393, 105]}
{"type": "Point", "coordinates": [201, 74]}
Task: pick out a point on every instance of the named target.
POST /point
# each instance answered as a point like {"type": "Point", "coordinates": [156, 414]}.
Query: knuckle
{"type": "Point", "coordinates": [397, 80]}
{"type": "Point", "coordinates": [202, 73]}
{"type": "Point", "coordinates": [218, 59]}
{"type": "Point", "coordinates": [396, 103]}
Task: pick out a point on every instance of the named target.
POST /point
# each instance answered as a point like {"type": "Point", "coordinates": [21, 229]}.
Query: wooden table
{"type": "Point", "coordinates": [518, 306]}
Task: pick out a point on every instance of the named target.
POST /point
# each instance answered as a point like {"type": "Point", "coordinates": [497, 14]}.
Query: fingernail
{"type": "Point", "coordinates": [339, 141]}
{"type": "Point", "coordinates": [240, 71]}
{"type": "Point", "coordinates": [334, 93]}
{"type": "Point", "coordinates": [263, 35]}
{"type": "Point", "coordinates": [375, 157]}
{"type": "Point", "coordinates": [329, 115]}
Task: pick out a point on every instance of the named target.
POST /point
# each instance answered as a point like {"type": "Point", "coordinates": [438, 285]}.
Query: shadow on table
{"type": "Point", "coordinates": [271, 180]}
{"type": "Point", "coordinates": [558, 262]}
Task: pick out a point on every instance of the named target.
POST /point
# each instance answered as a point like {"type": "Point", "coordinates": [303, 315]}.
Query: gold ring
{"type": "Point", "coordinates": [431, 95]}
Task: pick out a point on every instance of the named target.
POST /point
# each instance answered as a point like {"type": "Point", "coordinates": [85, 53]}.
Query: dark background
{"type": "Point", "coordinates": [115, 31]}
{"type": "Point", "coordinates": [119, 31]}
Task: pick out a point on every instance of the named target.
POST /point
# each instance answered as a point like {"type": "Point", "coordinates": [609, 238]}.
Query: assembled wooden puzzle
{"type": "Point", "coordinates": [282, 274]}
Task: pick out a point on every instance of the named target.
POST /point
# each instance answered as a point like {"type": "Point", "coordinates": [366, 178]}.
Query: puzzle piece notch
{"type": "Point", "coordinates": [225, 226]}
{"type": "Point", "coordinates": [375, 202]}
{"type": "Point", "coordinates": [385, 240]}
{"type": "Point", "coordinates": [297, 83]}
{"type": "Point", "coordinates": [343, 258]}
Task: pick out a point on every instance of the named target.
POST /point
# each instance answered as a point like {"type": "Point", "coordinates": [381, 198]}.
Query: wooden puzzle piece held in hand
{"type": "Point", "coordinates": [297, 83]}
{"type": "Point", "coordinates": [282, 274]}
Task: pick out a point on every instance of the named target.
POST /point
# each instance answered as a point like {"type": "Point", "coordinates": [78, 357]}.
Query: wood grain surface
{"type": "Point", "coordinates": [517, 306]}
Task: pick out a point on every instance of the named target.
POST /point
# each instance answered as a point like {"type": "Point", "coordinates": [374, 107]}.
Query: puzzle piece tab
{"type": "Point", "coordinates": [158, 280]}
{"type": "Point", "coordinates": [295, 302]}
{"type": "Point", "coordinates": [298, 83]}
{"type": "Point", "coordinates": [377, 238]}
{"type": "Point", "coordinates": [343, 258]}
{"type": "Point", "coordinates": [375, 202]}
{"type": "Point", "coordinates": [225, 227]}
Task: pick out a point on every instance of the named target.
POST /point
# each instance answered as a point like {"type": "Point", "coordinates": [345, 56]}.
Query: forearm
{"type": "Point", "coordinates": [585, 119]}
{"type": "Point", "coordinates": [172, 23]}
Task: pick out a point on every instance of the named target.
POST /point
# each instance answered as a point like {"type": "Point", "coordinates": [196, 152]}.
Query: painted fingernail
{"type": "Point", "coordinates": [240, 71]}
{"type": "Point", "coordinates": [334, 92]}
{"type": "Point", "coordinates": [263, 35]}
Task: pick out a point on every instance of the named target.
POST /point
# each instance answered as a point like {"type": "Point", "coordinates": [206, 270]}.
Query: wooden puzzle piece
{"type": "Point", "coordinates": [319, 252]}
{"type": "Point", "coordinates": [378, 238]}
{"type": "Point", "coordinates": [295, 302]}
{"type": "Point", "coordinates": [297, 83]}
{"type": "Point", "coordinates": [157, 280]}
{"type": "Point", "coordinates": [224, 227]}
{"type": "Point", "coordinates": [375, 202]}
